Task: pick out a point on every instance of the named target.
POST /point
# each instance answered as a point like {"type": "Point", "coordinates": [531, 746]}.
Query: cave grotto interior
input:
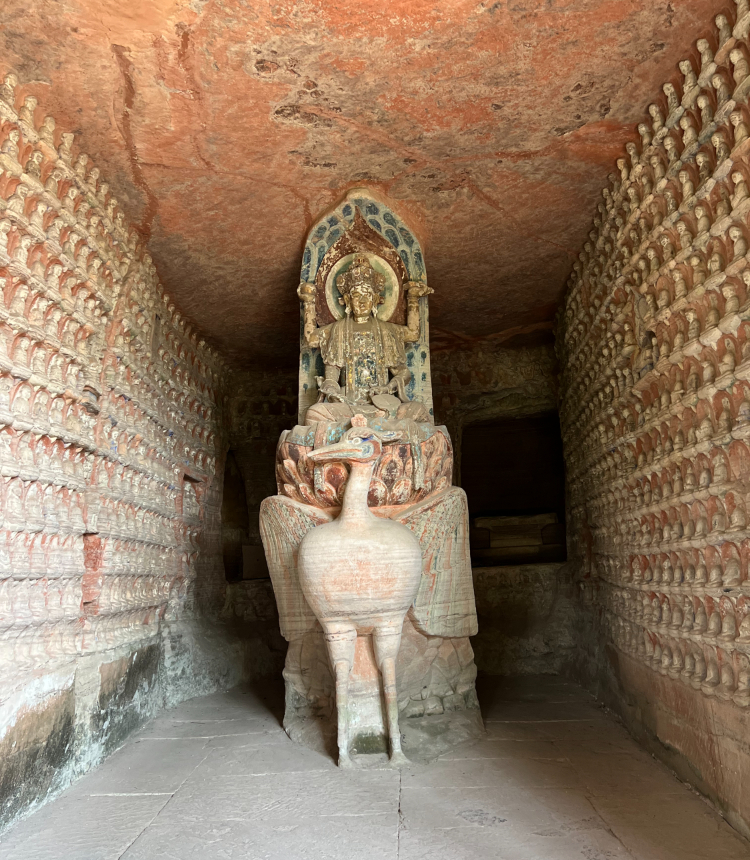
{"type": "Point", "coordinates": [302, 301]}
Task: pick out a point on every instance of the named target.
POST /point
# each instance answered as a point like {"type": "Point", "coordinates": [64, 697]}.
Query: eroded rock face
{"type": "Point", "coordinates": [223, 127]}
{"type": "Point", "coordinates": [109, 435]}
{"type": "Point", "coordinates": [654, 344]}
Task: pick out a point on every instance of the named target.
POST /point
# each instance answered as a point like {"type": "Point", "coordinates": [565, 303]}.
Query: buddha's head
{"type": "Point", "coordinates": [361, 288]}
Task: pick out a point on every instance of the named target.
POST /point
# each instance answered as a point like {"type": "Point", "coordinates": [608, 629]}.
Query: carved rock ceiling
{"type": "Point", "coordinates": [226, 127]}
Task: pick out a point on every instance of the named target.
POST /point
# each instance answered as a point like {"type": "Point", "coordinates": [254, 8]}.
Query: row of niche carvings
{"type": "Point", "coordinates": [108, 434]}
{"type": "Point", "coordinates": [655, 390]}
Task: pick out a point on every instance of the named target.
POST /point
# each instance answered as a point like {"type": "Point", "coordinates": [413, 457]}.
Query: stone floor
{"type": "Point", "coordinates": [216, 779]}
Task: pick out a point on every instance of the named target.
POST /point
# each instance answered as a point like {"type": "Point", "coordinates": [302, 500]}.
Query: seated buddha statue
{"type": "Point", "coordinates": [364, 357]}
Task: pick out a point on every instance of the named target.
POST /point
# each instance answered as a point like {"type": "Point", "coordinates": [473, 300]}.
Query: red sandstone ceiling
{"type": "Point", "coordinates": [226, 127]}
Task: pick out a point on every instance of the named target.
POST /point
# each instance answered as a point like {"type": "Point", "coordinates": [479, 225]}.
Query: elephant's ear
{"type": "Point", "coordinates": [283, 524]}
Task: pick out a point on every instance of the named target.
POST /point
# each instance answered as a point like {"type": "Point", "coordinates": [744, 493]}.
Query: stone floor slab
{"type": "Point", "coordinates": [216, 778]}
{"type": "Point", "coordinates": [352, 839]}
{"type": "Point", "coordinates": [82, 827]}
{"type": "Point", "coordinates": [148, 766]}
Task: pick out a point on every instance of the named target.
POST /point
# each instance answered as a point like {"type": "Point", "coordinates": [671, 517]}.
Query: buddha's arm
{"type": "Point", "coordinates": [414, 292]}
{"type": "Point", "coordinates": [329, 384]}
{"type": "Point", "coordinates": [400, 378]}
{"type": "Point", "coordinates": [311, 332]}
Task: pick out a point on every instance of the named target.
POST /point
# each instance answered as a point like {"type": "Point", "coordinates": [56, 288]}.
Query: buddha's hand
{"type": "Point", "coordinates": [306, 292]}
{"type": "Point", "coordinates": [396, 386]}
{"type": "Point", "coordinates": [417, 289]}
{"type": "Point", "coordinates": [331, 389]}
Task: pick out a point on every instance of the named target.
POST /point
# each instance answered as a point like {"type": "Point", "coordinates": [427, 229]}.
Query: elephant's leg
{"type": "Point", "coordinates": [387, 641]}
{"type": "Point", "coordinates": [341, 639]}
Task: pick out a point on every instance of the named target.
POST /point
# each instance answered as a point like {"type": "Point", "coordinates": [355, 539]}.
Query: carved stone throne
{"type": "Point", "coordinates": [411, 483]}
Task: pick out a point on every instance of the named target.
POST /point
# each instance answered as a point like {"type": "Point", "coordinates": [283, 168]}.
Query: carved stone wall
{"type": "Point", "coordinates": [654, 344]}
{"type": "Point", "coordinates": [484, 381]}
{"type": "Point", "coordinates": [259, 406]}
{"type": "Point", "coordinates": [109, 490]}
{"type": "Point", "coordinates": [526, 618]}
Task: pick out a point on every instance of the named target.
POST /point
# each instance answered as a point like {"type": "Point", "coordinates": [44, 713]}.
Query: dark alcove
{"type": "Point", "coordinates": [512, 472]}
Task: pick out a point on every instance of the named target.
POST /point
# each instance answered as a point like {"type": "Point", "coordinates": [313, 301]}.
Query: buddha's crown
{"type": "Point", "coordinates": [360, 272]}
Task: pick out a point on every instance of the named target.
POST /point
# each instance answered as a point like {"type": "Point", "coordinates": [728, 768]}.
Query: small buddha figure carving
{"type": "Point", "coordinates": [645, 132]}
{"type": "Point", "coordinates": [673, 103]}
{"type": "Point", "coordinates": [727, 363]}
{"type": "Point", "coordinates": [9, 147]}
{"type": "Point", "coordinates": [33, 166]}
{"type": "Point", "coordinates": [69, 201]}
{"type": "Point", "coordinates": [699, 270]}
{"type": "Point", "coordinates": [26, 111]}
{"type": "Point", "coordinates": [707, 55]}
{"type": "Point", "coordinates": [689, 79]}
{"type": "Point", "coordinates": [686, 238]}
{"type": "Point", "coordinates": [47, 131]}
{"type": "Point", "coordinates": [657, 167]}
{"type": "Point", "coordinates": [65, 149]}
{"type": "Point", "coordinates": [670, 145]}
{"type": "Point", "coordinates": [5, 227]}
{"type": "Point", "coordinates": [653, 259]}
{"type": "Point", "coordinates": [36, 219]}
{"type": "Point", "coordinates": [724, 206]}
{"type": "Point", "coordinates": [694, 326]}
{"type": "Point", "coordinates": [53, 180]}
{"type": "Point", "coordinates": [720, 147]}
{"type": "Point", "coordinates": [79, 168]}
{"type": "Point", "coordinates": [740, 188]}
{"type": "Point", "coordinates": [725, 31]}
{"type": "Point", "coordinates": [707, 115]}
{"type": "Point", "coordinates": [688, 189]}
{"type": "Point", "coordinates": [632, 151]}
{"type": "Point", "coordinates": [739, 241]}
{"type": "Point", "coordinates": [720, 470]}
{"type": "Point", "coordinates": [18, 201]}
{"type": "Point", "coordinates": [732, 301]}
{"type": "Point", "coordinates": [21, 252]}
{"type": "Point", "coordinates": [725, 420]}
{"type": "Point", "coordinates": [670, 200]}
{"type": "Point", "coordinates": [715, 263]}
{"type": "Point", "coordinates": [8, 90]}
{"type": "Point", "coordinates": [703, 161]}
{"type": "Point", "coordinates": [689, 132]}
{"type": "Point", "coordinates": [657, 120]}
{"type": "Point", "coordinates": [741, 133]}
{"type": "Point", "coordinates": [369, 352]}
{"type": "Point", "coordinates": [739, 63]}
{"type": "Point", "coordinates": [712, 317]}
{"type": "Point", "coordinates": [667, 247]}
{"type": "Point", "coordinates": [703, 222]}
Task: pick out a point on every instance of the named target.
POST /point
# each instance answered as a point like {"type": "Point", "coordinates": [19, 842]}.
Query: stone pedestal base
{"type": "Point", "coordinates": [435, 679]}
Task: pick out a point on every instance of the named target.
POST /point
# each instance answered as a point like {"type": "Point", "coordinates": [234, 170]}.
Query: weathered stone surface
{"type": "Point", "coordinates": [124, 683]}
{"type": "Point", "coordinates": [654, 346]}
{"type": "Point", "coordinates": [34, 751]}
{"type": "Point", "coordinates": [526, 619]}
{"type": "Point", "coordinates": [109, 491]}
{"type": "Point", "coordinates": [223, 126]}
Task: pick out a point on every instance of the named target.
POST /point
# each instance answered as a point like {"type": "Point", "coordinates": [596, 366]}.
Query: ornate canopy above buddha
{"type": "Point", "coordinates": [364, 330]}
